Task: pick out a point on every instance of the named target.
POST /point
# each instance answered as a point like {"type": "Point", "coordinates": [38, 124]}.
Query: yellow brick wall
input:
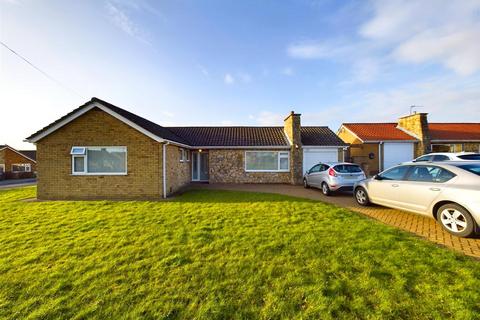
{"type": "Point", "coordinates": [9, 157]}
{"type": "Point", "coordinates": [178, 173]}
{"type": "Point", "coordinates": [97, 128]}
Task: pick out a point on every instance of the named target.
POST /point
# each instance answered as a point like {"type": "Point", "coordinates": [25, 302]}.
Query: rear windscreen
{"type": "Point", "coordinates": [347, 168]}
{"type": "Point", "coordinates": [470, 156]}
{"type": "Point", "coordinates": [473, 168]}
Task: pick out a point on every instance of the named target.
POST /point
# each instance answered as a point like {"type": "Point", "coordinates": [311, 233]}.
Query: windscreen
{"type": "Point", "coordinates": [347, 168]}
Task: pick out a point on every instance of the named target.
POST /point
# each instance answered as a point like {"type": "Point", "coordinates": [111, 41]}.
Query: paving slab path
{"type": "Point", "coordinates": [417, 224]}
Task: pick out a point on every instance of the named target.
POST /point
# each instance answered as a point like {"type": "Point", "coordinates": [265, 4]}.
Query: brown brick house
{"type": "Point", "coordinates": [16, 164]}
{"type": "Point", "coordinates": [101, 151]}
{"type": "Point", "coordinates": [377, 146]}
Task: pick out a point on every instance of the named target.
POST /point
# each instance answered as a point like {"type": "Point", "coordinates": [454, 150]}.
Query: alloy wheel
{"type": "Point", "coordinates": [453, 220]}
{"type": "Point", "coordinates": [361, 196]}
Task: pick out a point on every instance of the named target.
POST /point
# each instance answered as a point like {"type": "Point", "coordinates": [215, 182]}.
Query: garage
{"type": "Point", "coordinates": [396, 152]}
{"type": "Point", "coordinates": [312, 156]}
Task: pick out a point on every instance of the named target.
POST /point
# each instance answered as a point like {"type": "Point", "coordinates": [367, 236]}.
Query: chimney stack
{"type": "Point", "coordinates": [292, 127]}
{"type": "Point", "coordinates": [417, 125]}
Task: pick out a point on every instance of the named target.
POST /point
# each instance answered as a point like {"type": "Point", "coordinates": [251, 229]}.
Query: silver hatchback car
{"type": "Point", "coordinates": [333, 176]}
{"type": "Point", "coordinates": [448, 192]}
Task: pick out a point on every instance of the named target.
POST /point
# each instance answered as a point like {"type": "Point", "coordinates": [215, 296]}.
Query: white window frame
{"type": "Point", "coordinates": [28, 167]}
{"type": "Point", "coordinates": [2, 165]}
{"type": "Point", "coordinates": [182, 155]}
{"type": "Point", "coordinates": [278, 160]}
{"type": "Point", "coordinates": [85, 162]}
{"type": "Point", "coordinates": [187, 155]}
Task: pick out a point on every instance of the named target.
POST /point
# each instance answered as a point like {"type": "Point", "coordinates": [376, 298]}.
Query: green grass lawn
{"type": "Point", "coordinates": [217, 255]}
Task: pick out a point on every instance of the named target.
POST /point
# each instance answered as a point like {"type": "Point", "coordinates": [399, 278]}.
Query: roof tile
{"type": "Point", "coordinates": [379, 132]}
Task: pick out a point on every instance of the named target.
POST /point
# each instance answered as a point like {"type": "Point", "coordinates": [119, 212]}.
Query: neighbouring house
{"type": "Point", "coordinates": [17, 164]}
{"type": "Point", "coordinates": [377, 146]}
{"type": "Point", "coordinates": [101, 151]}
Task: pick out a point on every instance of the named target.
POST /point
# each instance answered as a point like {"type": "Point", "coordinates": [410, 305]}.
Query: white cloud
{"type": "Point", "coordinates": [120, 19]}
{"type": "Point", "coordinates": [308, 50]}
{"type": "Point", "coordinates": [268, 118]}
{"type": "Point", "coordinates": [429, 31]}
{"type": "Point", "coordinates": [245, 77]}
{"type": "Point", "coordinates": [440, 31]}
{"type": "Point", "coordinates": [227, 123]}
{"type": "Point", "coordinates": [287, 71]}
{"type": "Point", "coordinates": [203, 70]}
{"type": "Point", "coordinates": [228, 79]}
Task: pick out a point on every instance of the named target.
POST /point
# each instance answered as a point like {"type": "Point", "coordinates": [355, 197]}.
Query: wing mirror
{"type": "Point", "coordinates": [377, 177]}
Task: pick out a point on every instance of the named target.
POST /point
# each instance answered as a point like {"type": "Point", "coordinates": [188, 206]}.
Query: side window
{"type": "Point", "coordinates": [396, 173]}
{"type": "Point", "coordinates": [440, 157]}
{"type": "Point", "coordinates": [324, 167]}
{"type": "Point", "coordinates": [429, 174]}
{"type": "Point", "coordinates": [424, 158]}
{"type": "Point", "coordinates": [314, 169]}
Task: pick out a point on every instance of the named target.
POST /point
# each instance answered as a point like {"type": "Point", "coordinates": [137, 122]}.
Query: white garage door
{"type": "Point", "coordinates": [313, 156]}
{"type": "Point", "coordinates": [395, 153]}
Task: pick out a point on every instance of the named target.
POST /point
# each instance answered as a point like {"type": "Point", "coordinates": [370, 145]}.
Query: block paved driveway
{"type": "Point", "coordinates": [417, 224]}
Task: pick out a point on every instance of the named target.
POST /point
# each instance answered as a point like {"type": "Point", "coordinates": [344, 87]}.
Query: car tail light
{"type": "Point", "coordinates": [332, 173]}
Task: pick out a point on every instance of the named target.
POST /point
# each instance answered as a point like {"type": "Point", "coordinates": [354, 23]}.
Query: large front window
{"type": "Point", "coordinates": [267, 161]}
{"type": "Point", "coordinates": [99, 160]}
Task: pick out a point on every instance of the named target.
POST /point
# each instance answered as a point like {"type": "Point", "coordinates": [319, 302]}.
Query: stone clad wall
{"type": "Point", "coordinates": [228, 166]}
{"type": "Point", "coordinates": [98, 128]}
{"type": "Point", "coordinates": [471, 147]}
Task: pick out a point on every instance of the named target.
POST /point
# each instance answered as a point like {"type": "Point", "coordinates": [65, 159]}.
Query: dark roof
{"type": "Point", "coordinates": [454, 131]}
{"type": "Point", "coordinates": [2, 146]}
{"type": "Point", "coordinates": [32, 154]}
{"type": "Point", "coordinates": [216, 136]}
{"type": "Point", "coordinates": [141, 122]}
{"type": "Point", "coordinates": [378, 131]}
{"type": "Point", "coordinates": [320, 136]}
{"type": "Point", "coordinates": [232, 136]}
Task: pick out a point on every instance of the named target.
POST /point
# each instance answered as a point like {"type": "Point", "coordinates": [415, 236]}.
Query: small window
{"type": "Point", "coordinates": [475, 156]}
{"type": "Point", "coordinates": [396, 173]}
{"type": "Point", "coordinates": [473, 168]}
{"type": "Point", "coordinates": [78, 151]}
{"type": "Point", "coordinates": [184, 155]}
{"type": "Point", "coordinates": [424, 158]}
{"type": "Point", "coordinates": [429, 174]}
{"type": "Point", "coordinates": [315, 168]}
{"type": "Point", "coordinates": [440, 157]}
{"type": "Point", "coordinates": [2, 168]}
{"type": "Point", "coordinates": [283, 158]}
{"type": "Point", "coordinates": [347, 168]}
{"type": "Point", "coordinates": [21, 167]}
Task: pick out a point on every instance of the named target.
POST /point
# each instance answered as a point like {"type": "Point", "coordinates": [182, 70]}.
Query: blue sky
{"type": "Point", "coordinates": [240, 62]}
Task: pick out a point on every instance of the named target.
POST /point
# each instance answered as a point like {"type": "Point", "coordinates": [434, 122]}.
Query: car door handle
{"type": "Point", "coordinates": [435, 189]}
{"type": "Point", "coordinates": [395, 185]}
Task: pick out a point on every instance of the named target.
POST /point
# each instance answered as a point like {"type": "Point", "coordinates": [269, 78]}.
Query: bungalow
{"type": "Point", "coordinates": [101, 151]}
{"type": "Point", "coordinates": [377, 146]}
{"type": "Point", "coordinates": [15, 164]}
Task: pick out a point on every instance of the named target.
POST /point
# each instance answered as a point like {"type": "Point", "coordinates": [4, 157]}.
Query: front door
{"type": "Point", "coordinates": [200, 166]}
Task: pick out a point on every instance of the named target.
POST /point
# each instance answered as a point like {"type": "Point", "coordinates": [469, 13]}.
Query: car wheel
{"type": "Point", "coordinates": [361, 196]}
{"type": "Point", "coordinates": [325, 189]}
{"type": "Point", "coordinates": [305, 184]}
{"type": "Point", "coordinates": [456, 220]}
